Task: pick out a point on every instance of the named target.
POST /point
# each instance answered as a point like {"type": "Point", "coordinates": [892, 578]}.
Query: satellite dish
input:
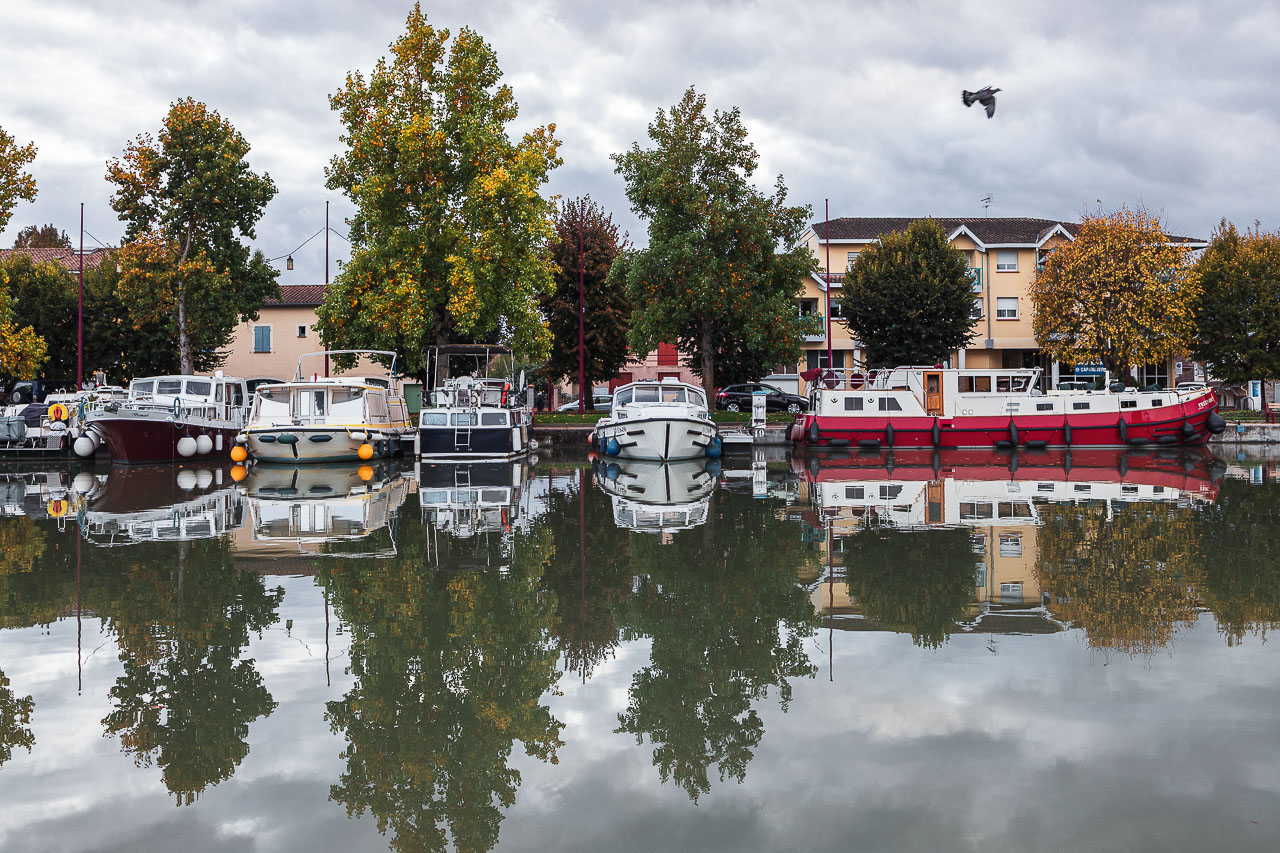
{"type": "Point", "coordinates": [520, 384]}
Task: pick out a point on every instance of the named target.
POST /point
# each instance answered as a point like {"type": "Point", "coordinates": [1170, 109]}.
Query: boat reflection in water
{"type": "Point", "coordinates": [472, 509]}
{"type": "Point", "coordinates": [658, 497]}
{"type": "Point", "coordinates": [311, 509]}
{"type": "Point", "coordinates": [150, 503]}
{"type": "Point", "coordinates": [863, 503]}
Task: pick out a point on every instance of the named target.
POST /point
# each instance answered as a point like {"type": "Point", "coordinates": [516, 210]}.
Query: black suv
{"type": "Point", "coordinates": [737, 398]}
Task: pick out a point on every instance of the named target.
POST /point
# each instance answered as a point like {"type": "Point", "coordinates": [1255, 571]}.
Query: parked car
{"type": "Point", "coordinates": [34, 390]}
{"type": "Point", "coordinates": [737, 398]}
{"type": "Point", "coordinates": [603, 403]}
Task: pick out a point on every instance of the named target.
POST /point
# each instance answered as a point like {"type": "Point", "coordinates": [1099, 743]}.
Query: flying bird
{"type": "Point", "coordinates": [985, 96]}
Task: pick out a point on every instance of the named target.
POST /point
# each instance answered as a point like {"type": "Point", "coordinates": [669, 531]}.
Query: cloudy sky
{"type": "Point", "coordinates": [1170, 106]}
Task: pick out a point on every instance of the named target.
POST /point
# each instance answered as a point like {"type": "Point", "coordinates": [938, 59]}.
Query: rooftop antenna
{"type": "Point", "coordinates": [986, 202]}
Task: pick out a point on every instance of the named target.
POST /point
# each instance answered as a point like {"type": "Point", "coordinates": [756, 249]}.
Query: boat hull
{"type": "Point", "coordinates": [656, 439]}
{"type": "Point", "coordinates": [315, 445]}
{"type": "Point", "coordinates": [450, 443]}
{"type": "Point", "coordinates": [1184, 424]}
{"type": "Point", "coordinates": [137, 439]}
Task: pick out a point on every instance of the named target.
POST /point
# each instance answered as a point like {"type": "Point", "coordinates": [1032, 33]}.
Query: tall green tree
{"type": "Point", "coordinates": [1237, 324]}
{"type": "Point", "coordinates": [42, 237]}
{"type": "Point", "coordinates": [908, 298]}
{"type": "Point", "coordinates": [15, 182]}
{"type": "Point", "coordinates": [712, 270]}
{"type": "Point", "coordinates": [449, 238]}
{"type": "Point", "coordinates": [605, 308]}
{"type": "Point", "coordinates": [1121, 294]}
{"type": "Point", "coordinates": [188, 200]}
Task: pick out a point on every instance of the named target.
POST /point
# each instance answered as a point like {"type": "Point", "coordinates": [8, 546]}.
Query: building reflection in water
{"type": "Point", "coordinates": [982, 567]}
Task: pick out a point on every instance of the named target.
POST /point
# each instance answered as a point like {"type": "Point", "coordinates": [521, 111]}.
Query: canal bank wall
{"type": "Point", "coordinates": [1250, 433]}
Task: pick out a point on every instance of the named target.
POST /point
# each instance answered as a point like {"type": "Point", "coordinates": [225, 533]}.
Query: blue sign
{"type": "Point", "coordinates": [1093, 369]}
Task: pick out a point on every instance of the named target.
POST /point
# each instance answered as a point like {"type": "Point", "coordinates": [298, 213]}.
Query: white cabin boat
{"type": "Point", "coordinates": [659, 421]}
{"type": "Point", "coordinates": [168, 419]}
{"type": "Point", "coordinates": [327, 418]}
{"type": "Point", "coordinates": [474, 417]}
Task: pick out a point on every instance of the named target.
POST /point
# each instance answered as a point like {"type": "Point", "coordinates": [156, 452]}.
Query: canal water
{"type": "Point", "coordinates": [979, 651]}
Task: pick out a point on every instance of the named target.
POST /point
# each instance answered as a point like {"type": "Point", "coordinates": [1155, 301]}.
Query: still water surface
{"type": "Point", "coordinates": [963, 652]}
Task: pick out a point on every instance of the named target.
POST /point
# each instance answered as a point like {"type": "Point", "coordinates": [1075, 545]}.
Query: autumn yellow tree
{"type": "Point", "coordinates": [188, 200]}
{"type": "Point", "coordinates": [449, 241]}
{"type": "Point", "coordinates": [22, 351]}
{"type": "Point", "coordinates": [1121, 294]}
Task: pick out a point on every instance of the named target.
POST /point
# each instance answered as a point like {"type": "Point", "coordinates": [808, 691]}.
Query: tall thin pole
{"type": "Point", "coordinates": [80, 311]}
{"type": "Point", "coordinates": [582, 311]}
{"type": "Point", "coordinates": [830, 365]}
{"type": "Point", "coordinates": [326, 275]}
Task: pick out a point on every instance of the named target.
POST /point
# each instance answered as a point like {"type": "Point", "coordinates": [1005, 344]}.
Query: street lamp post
{"type": "Point", "coordinates": [582, 310]}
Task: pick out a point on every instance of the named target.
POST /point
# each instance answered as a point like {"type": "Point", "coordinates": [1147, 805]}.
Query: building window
{"type": "Point", "coordinates": [1007, 260]}
{"type": "Point", "coordinates": [853, 256]}
{"type": "Point", "coordinates": [668, 356]}
{"type": "Point", "coordinates": [976, 313]}
{"type": "Point", "coordinates": [262, 339]}
{"type": "Point", "coordinates": [1006, 308]}
{"type": "Point", "coordinates": [818, 358]}
{"type": "Point", "coordinates": [302, 331]}
{"type": "Point", "coordinates": [1010, 544]}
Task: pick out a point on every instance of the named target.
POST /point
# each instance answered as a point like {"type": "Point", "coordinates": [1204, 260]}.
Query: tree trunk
{"type": "Point", "coordinates": [185, 363]}
{"type": "Point", "coordinates": [708, 359]}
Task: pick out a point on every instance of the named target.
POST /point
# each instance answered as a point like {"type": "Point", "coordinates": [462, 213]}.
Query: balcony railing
{"type": "Point", "coordinates": [813, 327]}
{"type": "Point", "coordinates": [975, 278]}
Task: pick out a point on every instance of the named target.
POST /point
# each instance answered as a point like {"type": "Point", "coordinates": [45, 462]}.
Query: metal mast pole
{"type": "Point", "coordinates": [80, 311]}
{"type": "Point", "coordinates": [582, 310]}
{"type": "Point", "coordinates": [326, 275]}
{"type": "Point", "coordinates": [830, 365]}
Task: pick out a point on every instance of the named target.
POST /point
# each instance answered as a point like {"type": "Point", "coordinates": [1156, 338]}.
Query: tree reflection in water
{"type": "Point", "coordinates": [15, 719]}
{"type": "Point", "coordinates": [727, 619]}
{"type": "Point", "coordinates": [1239, 550]}
{"type": "Point", "coordinates": [920, 581]}
{"type": "Point", "coordinates": [182, 615]}
{"type": "Point", "coordinates": [1125, 573]}
{"type": "Point", "coordinates": [450, 667]}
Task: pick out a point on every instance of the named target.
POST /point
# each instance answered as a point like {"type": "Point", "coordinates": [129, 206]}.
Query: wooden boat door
{"type": "Point", "coordinates": [933, 393]}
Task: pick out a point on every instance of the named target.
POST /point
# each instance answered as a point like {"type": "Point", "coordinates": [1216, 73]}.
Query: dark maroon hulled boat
{"type": "Point", "coordinates": [170, 419]}
{"type": "Point", "coordinates": [941, 408]}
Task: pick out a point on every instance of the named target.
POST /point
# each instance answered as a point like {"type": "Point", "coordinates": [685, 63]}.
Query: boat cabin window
{"type": "Point", "coordinates": [1079, 406]}
{"type": "Point", "coordinates": [309, 404]}
{"type": "Point", "coordinates": [647, 394]}
{"type": "Point", "coordinates": [146, 387]}
{"type": "Point", "coordinates": [1128, 404]}
{"type": "Point", "coordinates": [217, 393]}
{"type": "Point", "coordinates": [434, 419]}
{"type": "Point", "coordinates": [493, 419]}
{"type": "Point", "coordinates": [347, 403]}
{"type": "Point", "coordinates": [268, 408]}
{"type": "Point", "coordinates": [235, 393]}
{"type": "Point", "coordinates": [975, 384]}
{"type": "Point", "coordinates": [199, 388]}
{"type": "Point", "coordinates": [623, 398]}
{"type": "Point", "coordinates": [1157, 402]}
{"type": "Point", "coordinates": [381, 383]}
{"type": "Point", "coordinates": [1044, 407]}
{"type": "Point", "coordinates": [853, 404]}
{"type": "Point", "coordinates": [854, 493]}
{"type": "Point", "coordinates": [888, 404]}
{"type": "Point", "coordinates": [169, 386]}
{"type": "Point", "coordinates": [463, 419]}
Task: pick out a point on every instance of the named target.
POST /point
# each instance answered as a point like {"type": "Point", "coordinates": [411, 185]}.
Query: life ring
{"type": "Point", "coordinates": [177, 408]}
{"type": "Point", "coordinates": [58, 412]}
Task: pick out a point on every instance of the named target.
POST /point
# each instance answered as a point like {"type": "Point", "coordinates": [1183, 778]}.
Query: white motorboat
{"type": "Point", "coordinates": [327, 418]}
{"type": "Point", "coordinates": [51, 427]}
{"type": "Point", "coordinates": [168, 419]}
{"type": "Point", "coordinates": [660, 421]}
{"type": "Point", "coordinates": [475, 417]}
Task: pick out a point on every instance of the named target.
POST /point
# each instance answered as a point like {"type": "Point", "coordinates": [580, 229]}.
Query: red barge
{"type": "Point", "coordinates": [941, 408]}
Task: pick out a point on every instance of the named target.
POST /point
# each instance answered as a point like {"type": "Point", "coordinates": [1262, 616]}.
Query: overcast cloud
{"type": "Point", "coordinates": [1167, 105]}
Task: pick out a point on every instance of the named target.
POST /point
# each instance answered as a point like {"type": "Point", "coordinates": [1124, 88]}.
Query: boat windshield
{"type": "Point", "coordinates": [199, 387]}
{"type": "Point", "coordinates": [269, 409]}
{"type": "Point", "coordinates": [169, 386]}
{"type": "Point", "coordinates": [347, 405]}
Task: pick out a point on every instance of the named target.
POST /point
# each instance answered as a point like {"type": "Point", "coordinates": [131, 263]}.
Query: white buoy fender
{"type": "Point", "coordinates": [84, 446]}
{"type": "Point", "coordinates": [186, 446]}
{"type": "Point", "coordinates": [204, 444]}
{"type": "Point", "coordinates": [187, 479]}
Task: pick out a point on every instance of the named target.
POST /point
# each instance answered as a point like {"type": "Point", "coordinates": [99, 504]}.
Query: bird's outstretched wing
{"type": "Point", "coordinates": [990, 103]}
